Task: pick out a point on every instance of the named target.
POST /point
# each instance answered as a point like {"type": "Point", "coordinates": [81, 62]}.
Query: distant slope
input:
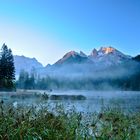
{"type": "Point", "coordinates": [73, 57]}
{"type": "Point", "coordinates": [27, 64]}
{"type": "Point", "coordinates": [104, 56]}
{"type": "Point", "coordinates": [137, 58]}
{"type": "Point", "coordinates": [108, 56]}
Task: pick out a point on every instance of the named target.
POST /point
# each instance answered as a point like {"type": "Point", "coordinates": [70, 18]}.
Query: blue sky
{"type": "Point", "coordinates": [47, 29]}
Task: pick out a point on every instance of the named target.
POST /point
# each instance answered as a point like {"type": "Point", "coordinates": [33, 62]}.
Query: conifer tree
{"type": "Point", "coordinates": [7, 69]}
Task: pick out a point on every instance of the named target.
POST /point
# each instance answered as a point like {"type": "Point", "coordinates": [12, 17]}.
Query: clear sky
{"type": "Point", "coordinates": [47, 29]}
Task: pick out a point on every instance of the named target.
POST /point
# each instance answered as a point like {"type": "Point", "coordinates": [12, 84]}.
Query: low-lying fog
{"type": "Point", "coordinates": [126, 100]}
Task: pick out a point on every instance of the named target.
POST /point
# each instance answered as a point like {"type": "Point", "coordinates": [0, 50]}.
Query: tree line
{"type": "Point", "coordinates": [32, 81]}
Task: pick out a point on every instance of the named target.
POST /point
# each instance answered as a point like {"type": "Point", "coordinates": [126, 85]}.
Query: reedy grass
{"type": "Point", "coordinates": [38, 123]}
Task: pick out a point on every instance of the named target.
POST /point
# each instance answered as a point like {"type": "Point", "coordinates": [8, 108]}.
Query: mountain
{"type": "Point", "coordinates": [137, 58]}
{"type": "Point", "coordinates": [94, 53]}
{"type": "Point", "coordinates": [108, 56]}
{"type": "Point", "coordinates": [83, 54]}
{"type": "Point", "coordinates": [106, 68]}
{"type": "Point", "coordinates": [73, 57]}
{"type": "Point", "coordinates": [74, 63]}
{"type": "Point", "coordinates": [27, 64]}
{"type": "Point", "coordinates": [105, 56]}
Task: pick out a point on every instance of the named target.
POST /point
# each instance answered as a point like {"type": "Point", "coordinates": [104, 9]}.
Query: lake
{"type": "Point", "coordinates": [128, 101]}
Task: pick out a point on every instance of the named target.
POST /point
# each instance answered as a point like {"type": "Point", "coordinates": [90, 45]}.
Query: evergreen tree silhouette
{"type": "Point", "coordinates": [7, 69]}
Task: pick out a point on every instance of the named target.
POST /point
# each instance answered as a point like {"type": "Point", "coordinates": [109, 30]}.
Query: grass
{"type": "Point", "coordinates": [24, 123]}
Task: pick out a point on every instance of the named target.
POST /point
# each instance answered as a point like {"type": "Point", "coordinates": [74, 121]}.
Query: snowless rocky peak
{"type": "Point", "coordinates": [71, 53]}
{"type": "Point", "coordinates": [66, 56]}
{"type": "Point", "coordinates": [26, 63]}
{"type": "Point", "coordinates": [107, 50]}
{"type": "Point", "coordinates": [94, 53]}
{"type": "Point", "coordinates": [103, 51]}
{"type": "Point", "coordinates": [82, 54]}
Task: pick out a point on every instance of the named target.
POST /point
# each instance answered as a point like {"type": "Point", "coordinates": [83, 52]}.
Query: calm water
{"type": "Point", "coordinates": [126, 100]}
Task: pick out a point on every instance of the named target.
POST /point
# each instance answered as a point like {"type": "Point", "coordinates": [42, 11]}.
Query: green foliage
{"type": "Point", "coordinates": [24, 123]}
{"type": "Point", "coordinates": [25, 81]}
{"type": "Point", "coordinates": [7, 69]}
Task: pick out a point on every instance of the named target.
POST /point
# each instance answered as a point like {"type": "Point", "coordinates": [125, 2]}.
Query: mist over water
{"type": "Point", "coordinates": [102, 85]}
{"type": "Point", "coordinates": [127, 101]}
{"type": "Point", "coordinates": [96, 100]}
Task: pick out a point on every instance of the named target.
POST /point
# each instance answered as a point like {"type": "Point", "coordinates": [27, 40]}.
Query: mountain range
{"type": "Point", "coordinates": [105, 55]}
{"type": "Point", "coordinates": [75, 64]}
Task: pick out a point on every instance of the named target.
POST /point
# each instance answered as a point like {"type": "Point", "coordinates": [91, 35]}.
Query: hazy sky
{"type": "Point", "coordinates": [47, 29]}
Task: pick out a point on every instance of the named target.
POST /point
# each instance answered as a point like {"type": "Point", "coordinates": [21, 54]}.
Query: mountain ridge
{"type": "Point", "coordinates": [26, 63]}
{"type": "Point", "coordinates": [103, 55]}
{"type": "Point", "coordinates": [73, 61]}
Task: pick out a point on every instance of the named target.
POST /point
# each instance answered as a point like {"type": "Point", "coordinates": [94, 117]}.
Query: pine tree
{"type": "Point", "coordinates": [7, 69]}
{"type": "Point", "coordinates": [21, 80]}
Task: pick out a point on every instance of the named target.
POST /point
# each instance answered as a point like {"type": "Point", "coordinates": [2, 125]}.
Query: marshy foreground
{"type": "Point", "coordinates": [39, 123]}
